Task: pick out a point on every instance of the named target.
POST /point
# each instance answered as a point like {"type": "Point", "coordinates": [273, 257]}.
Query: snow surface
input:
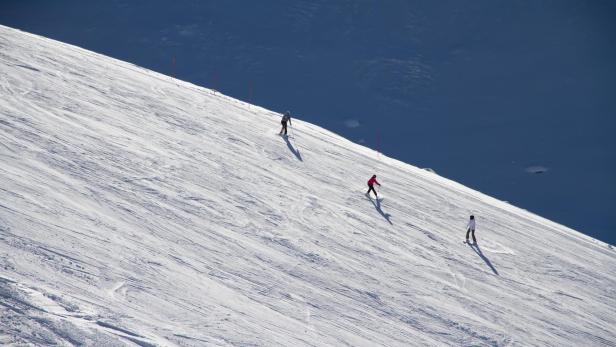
{"type": "Point", "coordinates": [140, 210]}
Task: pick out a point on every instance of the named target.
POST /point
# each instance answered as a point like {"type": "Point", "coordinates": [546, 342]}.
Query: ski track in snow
{"type": "Point", "coordinates": [139, 210]}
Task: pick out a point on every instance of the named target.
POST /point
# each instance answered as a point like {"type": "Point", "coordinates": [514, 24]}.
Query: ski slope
{"type": "Point", "coordinates": [140, 210]}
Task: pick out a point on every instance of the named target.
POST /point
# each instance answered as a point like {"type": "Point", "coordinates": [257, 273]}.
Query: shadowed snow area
{"type": "Point", "coordinates": [140, 210]}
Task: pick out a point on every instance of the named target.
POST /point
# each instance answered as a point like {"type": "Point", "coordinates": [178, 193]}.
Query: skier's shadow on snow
{"type": "Point", "coordinates": [477, 250]}
{"type": "Point", "coordinates": [377, 205]}
{"type": "Point", "coordinates": [291, 148]}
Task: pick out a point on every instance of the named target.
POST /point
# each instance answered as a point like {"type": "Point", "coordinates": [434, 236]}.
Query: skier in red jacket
{"type": "Point", "coordinates": [371, 183]}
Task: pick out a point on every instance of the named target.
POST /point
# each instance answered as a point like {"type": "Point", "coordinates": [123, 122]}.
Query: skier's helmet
{"type": "Point", "coordinates": [472, 217]}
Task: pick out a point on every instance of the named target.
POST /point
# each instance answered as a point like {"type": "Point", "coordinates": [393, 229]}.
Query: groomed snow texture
{"type": "Point", "coordinates": [140, 210]}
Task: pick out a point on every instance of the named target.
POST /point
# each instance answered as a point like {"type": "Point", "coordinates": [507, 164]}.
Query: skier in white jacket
{"type": "Point", "coordinates": [471, 229]}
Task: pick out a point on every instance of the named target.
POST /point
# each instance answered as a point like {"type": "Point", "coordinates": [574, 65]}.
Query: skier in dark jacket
{"type": "Point", "coordinates": [470, 229]}
{"type": "Point", "coordinates": [371, 183]}
{"type": "Point", "coordinates": [286, 118]}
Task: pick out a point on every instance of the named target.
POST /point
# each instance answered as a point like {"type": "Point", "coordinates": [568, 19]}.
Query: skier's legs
{"type": "Point", "coordinates": [474, 240]}
{"type": "Point", "coordinates": [371, 188]}
{"type": "Point", "coordinates": [467, 232]}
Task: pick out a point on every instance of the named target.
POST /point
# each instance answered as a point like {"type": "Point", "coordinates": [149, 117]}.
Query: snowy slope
{"type": "Point", "coordinates": [136, 209]}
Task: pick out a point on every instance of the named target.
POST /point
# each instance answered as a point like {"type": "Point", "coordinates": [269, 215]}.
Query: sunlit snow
{"type": "Point", "coordinates": [140, 210]}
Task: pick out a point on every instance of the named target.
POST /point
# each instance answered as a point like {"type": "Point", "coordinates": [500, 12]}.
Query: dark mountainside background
{"type": "Point", "coordinates": [513, 98]}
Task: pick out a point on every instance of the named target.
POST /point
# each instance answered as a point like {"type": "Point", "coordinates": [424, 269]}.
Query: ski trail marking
{"type": "Point", "coordinates": [307, 314]}
{"type": "Point", "coordinates": [118, 288]}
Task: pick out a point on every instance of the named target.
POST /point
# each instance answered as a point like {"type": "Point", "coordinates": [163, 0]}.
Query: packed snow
{"type": "Point", "coordinates": [140, 210]}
